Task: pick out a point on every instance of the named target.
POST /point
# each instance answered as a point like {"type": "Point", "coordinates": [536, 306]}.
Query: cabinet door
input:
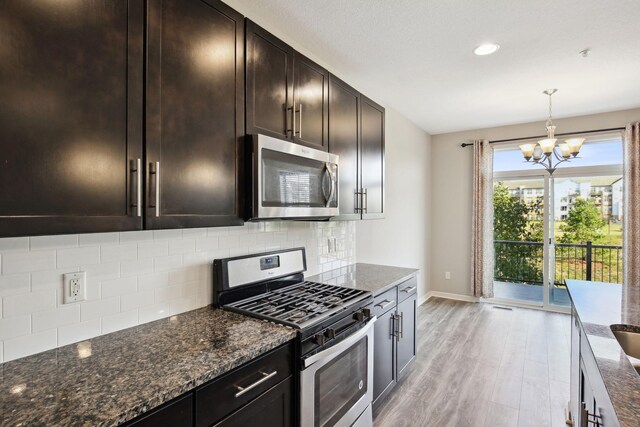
{"type": "Point", "coordinates": [269, 84]}
{"type": "Point", "coordinates": [384, 360]}
{"type": "Point", "coordinates": [407, 311]}
{"type": "Point", "coordinates": [372, 158]}
{"type": "Point", "coordinates": [194, 125]}
{"type": "Point", "coordinates": [344, 140]}
{"type": "Point", "coordinates": [70, 116]}
{"type": "Point", "coordinates": [311, 103]}
{"type": "Point", "coordinates": [272, 409]}
{"type": "Point", "coordinates": [178, 413]}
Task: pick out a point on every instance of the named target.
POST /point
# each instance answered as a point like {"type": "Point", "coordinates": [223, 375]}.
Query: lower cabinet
{"type": "Point", "coordinates": [258, 393]}
{"type": "Point", "coordinates": [395, 336]}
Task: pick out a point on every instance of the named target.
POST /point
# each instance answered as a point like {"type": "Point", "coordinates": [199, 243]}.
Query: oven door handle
{"type": "Point", "coordinates": [341, 346]}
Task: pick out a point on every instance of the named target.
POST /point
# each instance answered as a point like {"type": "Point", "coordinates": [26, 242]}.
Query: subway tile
{"type": "Point", "coordinates": [153, 249]}
{"type": "Point", "coordinates": [23, 262]}
{"type": "Point", "coordinates": [167, 294]}
{"type": "Point", "coordinates": [139, 299]}
{"type": "Point", "coordinates": [14, 284]}
{"type": "Point", "coordinates": [53, 242]}
{"type": "Point", "coordinates": [136, 267]}
{"type": "Point", "coordinates": [78, 256]}
{"type": "Point", "coordinates": [13, 327]}
{"type": "Point", "coordinates": [90, 310]}
{"type": "Point", "coordinates": [231, 241]}
{"type": "Point", "coordinates": [247, 240]}
{"type": "Point", "coordinates": [78, 332]}
{"type": "Point", "coordinates": [154, 312]}
{"type": "Point", "coordinates": [184, 275]}
{"type": "Point", "coordinates": [217, 231]}
{"type": "Point", "coordinates": [116, 253]}
{"type": "Point", "coordinates": [186, 303]}
{"type": "Point", "coordinates": [181, 246]}
{"type": "Point", "coordinates": [51, 319]}
{"type": "Point", "coordinates": [207, 244]}
{"type": "Point", "coordinates": [119, 321]}
{"type": "Point", "coordinates": [194, 233]}
{"type": "Point", "coordinates": [111, 288]}
{"type": "Point", "coordinates": [31, 302]}
{"type": "Point", "coordinates": [155, 280]}
{"type": "Point", "coordinates": [136, 236]}
{"type": "Point", "coordinates": [166, 263]}
{"type": "Point", "coordinates": [29, 344]}
{"type": "Point", "coordinates": [49, 279]}
{"type": "Point", "coordinates": [102, 271]}
{"type": "Point", "coordinates": [98, 239]}
{"type": "Point", "coordinates": [167, 234]}
{"type": "Point", "coordinates": [14, 244]}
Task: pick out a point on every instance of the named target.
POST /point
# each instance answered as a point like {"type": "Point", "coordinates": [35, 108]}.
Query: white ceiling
{"type": "Point", "coordinates": [416, 55]}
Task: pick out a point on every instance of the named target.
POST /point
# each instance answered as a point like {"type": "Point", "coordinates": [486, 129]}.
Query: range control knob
{"type": "Point", "coordinates": [319, 339]}
{"type": "Point", "coordinates": [330, 334]}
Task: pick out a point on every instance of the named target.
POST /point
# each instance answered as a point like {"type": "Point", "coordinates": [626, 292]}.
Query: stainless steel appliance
{"type": "Point", "coordinates": [335, 331]}
{"type": "Point", "coordinates": [291, 181]}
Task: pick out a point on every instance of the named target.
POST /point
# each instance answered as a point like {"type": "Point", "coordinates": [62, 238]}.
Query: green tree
{"type": "Point", "coordinates": [584, 223]}
{"type": "Point", "coordinates": [516, 262]}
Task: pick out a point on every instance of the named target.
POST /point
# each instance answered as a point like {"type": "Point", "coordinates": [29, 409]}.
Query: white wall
{"type": "Point", "coordinates": [402, 237]}
{"type": "Point", "coordinates": [134, 277]}
{"type": "Point", "coordinates": [451, 172]}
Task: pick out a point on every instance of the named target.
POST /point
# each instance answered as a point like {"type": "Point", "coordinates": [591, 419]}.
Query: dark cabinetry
{"type": "Point", "coordinates": [356, 134]}
{"type": "Point", "coordinates": [195, 113]}
{"type": "Point", "coordinates": [257, 393]}
{"type": "Point", "coordinates": [395, 336]}
{"type": "Point", "coordinates": [70, 116]}
{"type": "Point", "coordinates": [287, 94]}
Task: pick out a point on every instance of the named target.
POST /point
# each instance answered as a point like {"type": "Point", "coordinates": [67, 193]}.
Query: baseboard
{"type": "Point", "coordinates": [448, 295]}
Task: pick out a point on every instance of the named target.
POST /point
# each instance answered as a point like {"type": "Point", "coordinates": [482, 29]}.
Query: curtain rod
{"type": "Point", "coordinates": [466, 144]}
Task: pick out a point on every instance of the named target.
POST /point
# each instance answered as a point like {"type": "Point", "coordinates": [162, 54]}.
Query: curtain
{"type": "Point", "coordinates": [631, 220]}
{"type": "Point", "coordinates": [482, 257]}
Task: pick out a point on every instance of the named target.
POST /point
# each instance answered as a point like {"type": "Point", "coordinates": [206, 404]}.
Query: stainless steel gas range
{"type": "Point", "coordinates": [335, 331]}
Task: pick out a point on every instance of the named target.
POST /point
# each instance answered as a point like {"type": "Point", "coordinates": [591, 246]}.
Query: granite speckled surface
{"type": "Point", "coordinates": [598, 306]}
{"type": "Point", "coordinates": [368, 277]}
{"type": "Point", "coordinates": [113, 378]}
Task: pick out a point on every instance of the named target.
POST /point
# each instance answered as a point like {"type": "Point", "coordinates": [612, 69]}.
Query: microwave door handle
{"type": "Point", "coordinates": [332, 176]}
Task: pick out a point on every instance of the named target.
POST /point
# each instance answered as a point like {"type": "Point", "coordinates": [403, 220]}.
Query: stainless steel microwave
{"type": "Point", "coordinates": [291, 181]}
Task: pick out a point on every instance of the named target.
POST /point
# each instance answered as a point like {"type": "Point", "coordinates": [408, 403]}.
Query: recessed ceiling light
{"type": "Point", "coordinates": [486, 49]}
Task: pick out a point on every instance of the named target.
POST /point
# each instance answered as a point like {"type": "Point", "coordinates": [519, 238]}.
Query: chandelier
{"type": "Point", "coordinates": [545, 153]}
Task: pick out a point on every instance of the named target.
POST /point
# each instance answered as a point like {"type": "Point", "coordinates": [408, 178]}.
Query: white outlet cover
{"type": "Point", "coordinates": [75, 287]}
{"type": "Point", "coordinates": [447, 275]}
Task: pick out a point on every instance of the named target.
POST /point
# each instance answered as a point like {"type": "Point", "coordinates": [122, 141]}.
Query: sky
{"type": "Point", "coordinates": [591, 154]}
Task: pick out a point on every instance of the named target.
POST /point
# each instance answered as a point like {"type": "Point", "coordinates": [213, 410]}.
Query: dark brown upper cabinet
{"type": "Point", "coordinates": [310, 103]}
{"type": "Point", "coordinates": [70, 116]}
{"type": "Point", "coordinates": [356, 134]}
{"type": "Point", "coordinates": [344, 140]}
{"type": "Point", "coordinates": [372, 158]}
{"type": "Point", "coordinates": [194, 114]}
{"type": "Point", "coordinates": [287, 94]}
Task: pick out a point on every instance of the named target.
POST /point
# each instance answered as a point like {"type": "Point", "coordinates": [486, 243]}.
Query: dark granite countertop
{"type": "Point", "coordinates": [598, 306]}
{"type": "Point", "coordinates": [368, 277]}
{"type": "Point", "coordinates": [113, 378]}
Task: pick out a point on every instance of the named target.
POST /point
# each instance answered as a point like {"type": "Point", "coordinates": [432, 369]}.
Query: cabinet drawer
{"type": "Point", "coordinates": [178, 413]}
{"type": "Point", "coordinates": [407, 288]}
{"type": "Point", "coordinates": [221, 397]}
{"type": "Point", "coordinates": [385, 301]}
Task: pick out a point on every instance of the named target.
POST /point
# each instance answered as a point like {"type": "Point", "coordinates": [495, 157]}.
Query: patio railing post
{"type": "Point", "coordinates": [588, 260]}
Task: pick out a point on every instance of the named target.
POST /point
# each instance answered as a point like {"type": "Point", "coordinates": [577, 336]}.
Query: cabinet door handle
{"type": "Point", "coordinates": [300, 114]}
{"type": "Point", "coordinates": [392, 334]}
{"type": "Point", "coordinates": [385, 303]}
{"type": "Point", "coordinates": [366, 200]}
{"type": "Point", "coordinates": [136, 186]}
{"type": "Point", "coordinates": [401, 330]}
{"type": "Point", "coordinates": [291, 128]}
{"type": "Point", "coordinates": [265, 377]}
{"type": "Point", "coordinates": [154, 170]}
{"type": "Point", "coordinates": [408, 290]}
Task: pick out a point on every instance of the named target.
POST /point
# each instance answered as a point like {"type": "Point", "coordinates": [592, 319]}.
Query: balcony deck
{"type": "Point", "coordinates": [528, 293]}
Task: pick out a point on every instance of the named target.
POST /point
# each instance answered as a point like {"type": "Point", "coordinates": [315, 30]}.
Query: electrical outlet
{"type": "Point", "coordinates": [447, 275]}
{"type": "Point", "coordinates": [331, 245]}
{"type": "Point", "coordinates": [75, 287]}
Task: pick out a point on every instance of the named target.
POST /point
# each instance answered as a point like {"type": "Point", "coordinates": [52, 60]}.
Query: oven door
{"type": "Point", "coordinates": [293, 181]}
{"type": "Point", "coordinates": [337, 383]}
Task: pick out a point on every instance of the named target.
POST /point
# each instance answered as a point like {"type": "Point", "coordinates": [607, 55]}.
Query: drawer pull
{"type": "Point", "coordinates": [265, 377]}
{"type": "Point", "coordinates": [408, 290]}
{"type": "Point", "coordinates": [385, 303]}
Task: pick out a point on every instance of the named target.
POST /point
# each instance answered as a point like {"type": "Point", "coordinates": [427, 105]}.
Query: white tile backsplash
{"type": "Point", "coordinates": [134, 277]}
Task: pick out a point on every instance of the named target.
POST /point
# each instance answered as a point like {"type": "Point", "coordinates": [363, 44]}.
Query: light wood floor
{"type": "Point", "coordinates": [478, 365]}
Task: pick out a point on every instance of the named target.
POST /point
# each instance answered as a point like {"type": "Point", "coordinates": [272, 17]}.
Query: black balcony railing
{"type": "Point", "coordinates": [522, 262]}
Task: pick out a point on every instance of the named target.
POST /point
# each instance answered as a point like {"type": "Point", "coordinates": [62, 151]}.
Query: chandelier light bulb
{"type": "Point", "coordinates": [547, 145]}
{"type": "Point", "coordinates": [574, 145]}
{"type": "Point", "coordinates": [565, 150]}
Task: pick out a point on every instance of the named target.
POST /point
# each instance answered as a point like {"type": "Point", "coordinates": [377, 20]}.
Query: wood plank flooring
{"type": "Point", "coordinates": [478, 365]}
